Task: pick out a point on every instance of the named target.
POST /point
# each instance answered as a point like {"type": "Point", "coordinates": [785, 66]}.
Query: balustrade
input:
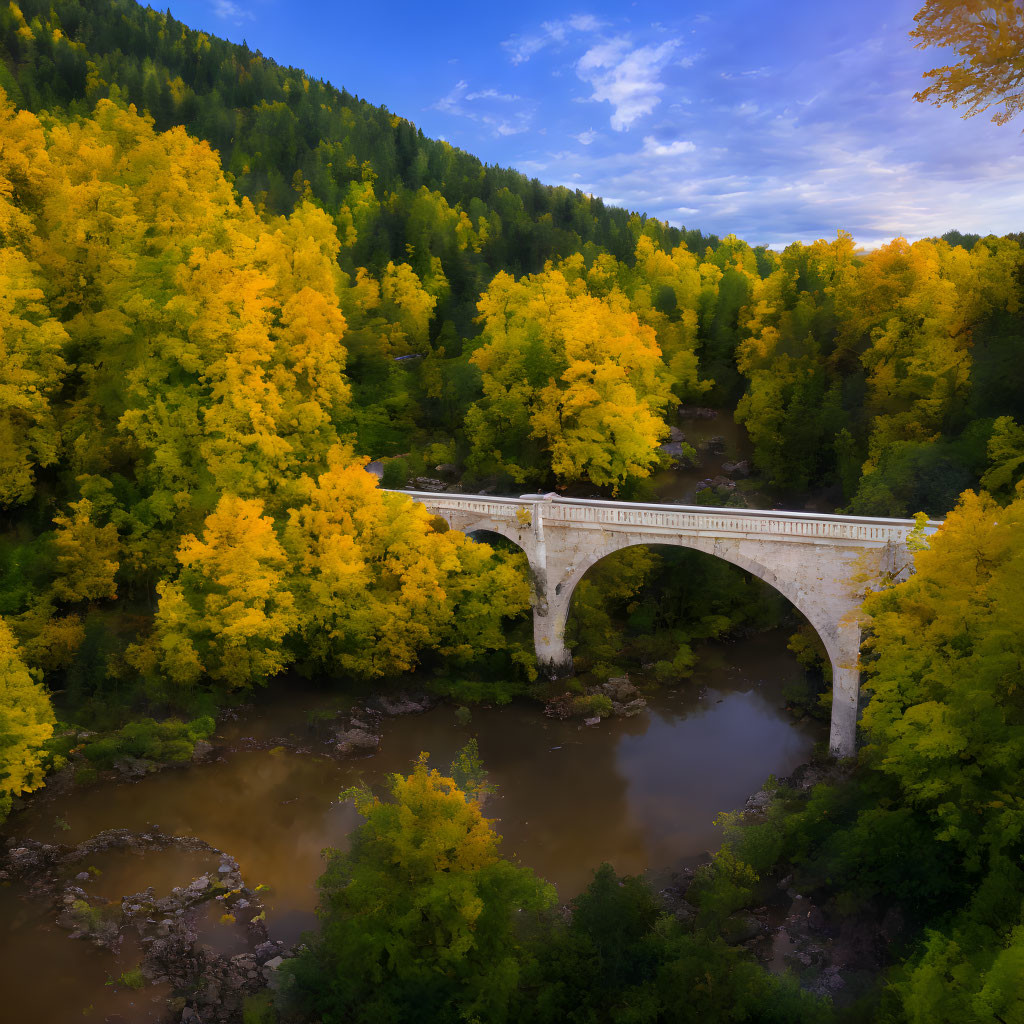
{"type": "Point", "coordinates": [573, 512]}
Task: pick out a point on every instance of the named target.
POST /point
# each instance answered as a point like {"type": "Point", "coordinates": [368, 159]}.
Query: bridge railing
{"type": "Point", "coordinates": [689, 518]}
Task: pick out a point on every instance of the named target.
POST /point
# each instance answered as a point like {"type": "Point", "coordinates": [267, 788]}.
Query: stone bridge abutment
{"type": "Point", "coordinates": [823, 564]}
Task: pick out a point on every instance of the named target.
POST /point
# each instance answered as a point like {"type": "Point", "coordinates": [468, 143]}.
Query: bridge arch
{"type": "Point", "coordinates": [821, 563]}
{"type": "Point", "coordinates": [822, 623]}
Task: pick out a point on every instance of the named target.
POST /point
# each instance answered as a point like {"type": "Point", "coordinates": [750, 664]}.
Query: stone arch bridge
{"type": "Point", "coordinates": [822, 563]}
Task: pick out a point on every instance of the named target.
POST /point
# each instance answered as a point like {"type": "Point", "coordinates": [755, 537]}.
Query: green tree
{"type": "Point", "coordinates": [1005, 457]}
{"type": "Point", "coordinates": [421, 916]}
{"type": "Point", "coordinates": [621, 960]}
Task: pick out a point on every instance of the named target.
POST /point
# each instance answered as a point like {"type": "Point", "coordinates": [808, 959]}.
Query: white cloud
{"type": "Point", "coordinates": [654, 148]}
{"type": "Point", "coordinates": [586, 23]}
{"type": "Point", "coordinates": [521, 48]}
{"type": "Point", "coordinates": [230, 11]}
{"type": "Point", "coordinates": [627, 77]}
{"type": "Point", "coordinates": [503, 126]}
{"type": "Point", "coordinates": [586, 138]}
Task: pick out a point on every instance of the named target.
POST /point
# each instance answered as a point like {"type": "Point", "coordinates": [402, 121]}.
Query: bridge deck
{"type": "Point", "coordinates": [583, 512]}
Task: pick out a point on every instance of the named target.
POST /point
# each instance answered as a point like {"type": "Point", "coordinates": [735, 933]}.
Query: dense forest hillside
{"type": "Point", "coordinates": [225, 287]}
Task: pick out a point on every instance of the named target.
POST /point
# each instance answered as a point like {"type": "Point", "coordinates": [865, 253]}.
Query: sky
{"type": "Point", "coordinates": [775, 121]}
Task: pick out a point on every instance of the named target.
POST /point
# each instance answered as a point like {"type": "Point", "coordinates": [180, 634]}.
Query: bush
{"type": "Point", "coordinates": [169, 741]}
{"type": "Point", "coordinates": [594, 704]}
{"type": "Point", "coordinates": [396, 473]}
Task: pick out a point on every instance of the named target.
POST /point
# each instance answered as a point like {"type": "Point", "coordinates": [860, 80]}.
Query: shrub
{"type": "Point", "coordinates": [169, 741]}
{"type": "Point", "coordinates": [593, 704]}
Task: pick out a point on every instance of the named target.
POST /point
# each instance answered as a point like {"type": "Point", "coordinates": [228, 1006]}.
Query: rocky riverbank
{"type": "Point", "coordinates": [830, 953]}
{"type": "Point", "coordinates": [202, 984]}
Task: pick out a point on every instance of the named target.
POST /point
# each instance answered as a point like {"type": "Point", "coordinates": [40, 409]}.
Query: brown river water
{"type": "Point", "coordinates": [640, 793]}
{"type": "Point", "coordinates": [680, 484]}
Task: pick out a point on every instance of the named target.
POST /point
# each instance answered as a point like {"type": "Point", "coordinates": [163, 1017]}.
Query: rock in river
{"type": "Point", "coordinates": [356, 741]}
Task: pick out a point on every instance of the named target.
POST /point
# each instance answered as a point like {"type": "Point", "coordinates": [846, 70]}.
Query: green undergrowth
{"type": "Point", "coordinates": [168, 742]}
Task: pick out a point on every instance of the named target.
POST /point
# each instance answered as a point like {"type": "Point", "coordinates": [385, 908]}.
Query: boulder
{"type": "Point", "coordinates": [619, 688]}
{"type": "Point", "coordinates": [271, 971]}
{"type": "Point", "coordinates": [447, 470]}
{"type": "Point", "coordinates": [630, 709]}
{"type": "Point", "coordinates": [678, 454]}
{"type": "Point", "coordinates": [356, 741]}
{"type": "Point", "coordinates": [741, 468]}
{"type": "Point", "coordinates": [134, 767]}
{"type": "Point", "coordinates": [675, 434]}
{"type": "Point", "coordinates": [427, 483]}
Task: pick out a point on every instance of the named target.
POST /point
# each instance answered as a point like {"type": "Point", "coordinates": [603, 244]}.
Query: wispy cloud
{"type": "Point", "coordinates": [455, 103]}
{"type": "Point", "coordinates": [586, 138]}
{"type": "Point", "coordinates": [492, 94]}
{"type": "Point", "coordinates": [452, 102]}
{"type": "Point", "coordinates": [521, 48]}
{"type": "Point", "coordinates": [230, 11]}
{"type": "Point", "coordinates": [627, 77]}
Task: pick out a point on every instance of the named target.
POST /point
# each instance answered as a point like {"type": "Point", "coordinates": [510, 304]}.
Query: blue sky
{"type": "Point", "coordinates": [773, 120]}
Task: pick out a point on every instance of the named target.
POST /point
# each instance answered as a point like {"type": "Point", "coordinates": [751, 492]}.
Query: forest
{"type": "Point", "coordinates": [226, 287]}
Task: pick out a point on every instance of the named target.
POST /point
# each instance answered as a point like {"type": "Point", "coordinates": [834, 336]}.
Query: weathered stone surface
{"type": "Point", "coordinates": [741, 468]}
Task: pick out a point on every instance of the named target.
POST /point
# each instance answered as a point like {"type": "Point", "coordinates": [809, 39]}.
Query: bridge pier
{"type": "Point", "coordinates": [842, 740]}
{"type": "Point", "coordinates": [553, 658]}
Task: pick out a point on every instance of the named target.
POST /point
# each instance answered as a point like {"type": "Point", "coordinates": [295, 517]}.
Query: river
{"type": "Point", "coordinates": [640, 793]}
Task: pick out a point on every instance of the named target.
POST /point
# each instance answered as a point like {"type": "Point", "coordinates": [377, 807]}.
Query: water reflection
{"type": "Point", "coordinates": [638, 793]}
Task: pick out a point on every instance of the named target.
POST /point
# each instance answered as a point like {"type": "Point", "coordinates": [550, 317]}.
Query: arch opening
{"type": "Point", "coordinates": [648, 607]}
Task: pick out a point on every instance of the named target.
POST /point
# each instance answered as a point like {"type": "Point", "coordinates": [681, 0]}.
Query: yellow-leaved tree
{"type": "Point", "coordinates": [26, 723]}
{"type": "Point", "coordinates": [229, 611]}
{"type": "Point", "coordinates": [376, 583]}
{"type": "Point", "coordinates": [988, 37]}
{"type": "Point", "coordinates": [945, 717]}
{"type": "Point", "coordinates": [573, 383]}
{"type": "Point", "coordinates": [908, 314]}
{"type": "Point", "coordinates": [87, 555]}
{"type": "Point", "coordinates": [31, 338]}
